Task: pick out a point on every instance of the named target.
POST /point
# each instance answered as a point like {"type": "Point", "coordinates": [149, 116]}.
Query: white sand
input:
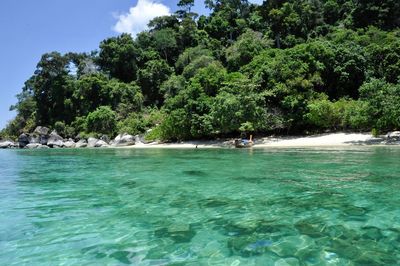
{"type": "Point", "coordinates": [331, 139]}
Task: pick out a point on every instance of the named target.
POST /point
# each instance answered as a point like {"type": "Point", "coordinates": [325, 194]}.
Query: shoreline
{"type": "Point", "coordinates": [318, 140]}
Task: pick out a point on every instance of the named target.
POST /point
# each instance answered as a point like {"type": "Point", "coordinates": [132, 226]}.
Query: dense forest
{"type": "Point", "coordinates": [283, 67]}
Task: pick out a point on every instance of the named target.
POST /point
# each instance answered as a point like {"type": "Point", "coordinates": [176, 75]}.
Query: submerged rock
{"type": "Point", "coordinates": [179, 233]}
{"type": "Point", "coordinates": [247, 246]}
{"type": "Point", "coordinates": [23, 140]}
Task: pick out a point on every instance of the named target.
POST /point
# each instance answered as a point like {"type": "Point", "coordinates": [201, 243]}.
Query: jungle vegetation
{"type": "Point", "coordinates": [283, 67]}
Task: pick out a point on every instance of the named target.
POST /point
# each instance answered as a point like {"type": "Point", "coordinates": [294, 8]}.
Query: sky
{"type": "Point", "coordinates": [30, 28]}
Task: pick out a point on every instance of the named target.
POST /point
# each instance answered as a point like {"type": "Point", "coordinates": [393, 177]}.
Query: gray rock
{"type": "Point", "coordinates": [69, 144]}
{"type": "Point", "coordinates": [105, 138]}
{"type": "Point", "coordinates": [23, 140]}
{"type": "Point", "coordinates": [92, 142]}
{"type": "Point", "coordinates": [43, 139]}
{"type": "Point", "coordinates": [33, 138]}
{"type": "Point", "coordinates": [81, 144]}
{"type": "Point", "coordinates": [7, 144]}
{"type": "Point", "coordinates": [124, 140]}
{"type": "Point", "coordinates": [41, 130]}
{"type": "Point", "coordinates": [101, 144]}
{"type": "Point", "coordinates": [36, 146]}
{"type": "Point", "coordinates": [395, 135]}
{"type": "Point", "coordinates": [55, 140]}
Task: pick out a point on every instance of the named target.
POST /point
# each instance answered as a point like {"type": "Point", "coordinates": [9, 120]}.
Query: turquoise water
{"type": "Point", "coordinates": [200, 207]}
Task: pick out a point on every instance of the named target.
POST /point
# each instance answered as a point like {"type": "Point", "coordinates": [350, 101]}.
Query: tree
{"type": "Point", "coordinates": [150, 78]}
{"type": "Point", "coordinates": [165, 43]}
{"type": "Point", "coordinates": [118, 56]}
{"type": "Point", "coordinates": [103, 120]}
{"type": "Point", "coordinates": [248, 45]}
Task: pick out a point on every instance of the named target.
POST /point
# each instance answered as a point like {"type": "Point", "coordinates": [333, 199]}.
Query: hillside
{"type": "Point", "coordinates": [297, 66]}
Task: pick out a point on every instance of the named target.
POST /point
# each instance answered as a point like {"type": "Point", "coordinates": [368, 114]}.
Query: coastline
{"type": "Point", "coordinates": [318, 140]}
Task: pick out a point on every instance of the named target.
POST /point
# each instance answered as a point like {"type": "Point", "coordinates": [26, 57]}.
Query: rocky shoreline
{"type": "Point", "coordinates": [42, 138]}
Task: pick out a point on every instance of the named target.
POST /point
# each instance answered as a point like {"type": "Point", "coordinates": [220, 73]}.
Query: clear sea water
{"type": "Point", "coordinates": [326, 206]}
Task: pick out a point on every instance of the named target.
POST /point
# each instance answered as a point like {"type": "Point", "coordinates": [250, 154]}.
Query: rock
{"type": "Point", "coordinates": [43, 139]}
{"type": "Point", "coordinates": [41, 130]}
{"type": "Point", "coordinates": [105, 138]}
{"type": "Point", "coordinates": [101, 144]}
{"type": "Point", "coordinates": [55, 140]}
{"type": "Point", "coordinates": [81, 144]}
{"type": "Point", "coordinates": [23, 140]}
{"type": "Point", "coordinates": [395, 135]}
{"type": "Point", "coordinates": [36, 146]}
{"type": "Point", "coordinates": [7, 144]}
{"type": "Point", "coordinates": [124, 140]}
{"type": "Point", "coordinates": [92, 142]}
{"type": "Point", "coordinates": [69, 144]}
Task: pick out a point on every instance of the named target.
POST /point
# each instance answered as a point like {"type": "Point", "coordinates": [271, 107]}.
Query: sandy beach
{"type": "Point", "coordinates": [319, 140]}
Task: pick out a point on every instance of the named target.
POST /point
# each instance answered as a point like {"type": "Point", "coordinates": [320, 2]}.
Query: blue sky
{"type": "Point", "coordinates": [30, 28]}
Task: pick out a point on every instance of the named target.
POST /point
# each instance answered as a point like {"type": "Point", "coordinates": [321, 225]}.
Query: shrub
{"type": "Point", "coordinates": [103, 120]}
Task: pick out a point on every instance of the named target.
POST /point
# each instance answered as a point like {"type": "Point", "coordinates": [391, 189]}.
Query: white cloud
{"type": "Point", "coordinates": [139, 16]}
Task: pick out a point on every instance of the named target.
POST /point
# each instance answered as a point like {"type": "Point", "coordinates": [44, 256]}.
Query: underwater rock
{"type": "Point", "coordinates": [247, 246]}
{"type": "Point", "coordinates": [179, 233]}
{"type": "Point", "coordinates": [213, 203]}
{"type": "Point", "coordinates": [310, 228]}
{"type": "Point", "coordinates": [195, 173]}
{"type": "Point", "coordinates": [287, 262]}
{"type": "Point", "coordinates": [121, 256]}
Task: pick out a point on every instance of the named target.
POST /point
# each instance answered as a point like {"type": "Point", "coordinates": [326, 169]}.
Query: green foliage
{"type": "Point", "coordinates": [103, 120]}
{"type": "Point", "coordinates": [59, 126]}
{"type": "Point", "coordinates": [283, 66]}
{"type": "Point", "coordinates": [248, 45]}
{"type": "Point", "coordinates": [118, 57]}
{"type": "Point", "coordinates": [384, 103]}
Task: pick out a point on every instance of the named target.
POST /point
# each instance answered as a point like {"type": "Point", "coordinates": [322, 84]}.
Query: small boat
{"type": "Point", "coordinates": [244, 143]}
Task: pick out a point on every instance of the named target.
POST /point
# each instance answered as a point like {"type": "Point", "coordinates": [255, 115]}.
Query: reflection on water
{"type": "Point", "coordinates": [200, 207]}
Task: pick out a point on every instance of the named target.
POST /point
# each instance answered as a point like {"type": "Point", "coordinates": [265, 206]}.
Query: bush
{"type": "Point", "coordinates": [60, 128]}
{"type": "Point", "coordinates": [103, 120]}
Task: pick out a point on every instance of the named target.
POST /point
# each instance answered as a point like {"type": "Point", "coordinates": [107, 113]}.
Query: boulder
{"type": "Point", "coordinates": [23, 140]}
{"type": "Point", "coordinates": [124, 140]}
{"type": "Point", "coordinates": [43, 139]}
{"type": "Point", "coordinates": [41, 130]}
{"type": "Point", "coordinates": [101, 144]}
{"type": "Point", "coordinates": [33, 138]}
{"type": "Point", "coordinates": [92, 142]}
{"type": "Point", "coordinates": [7, 144]}
{"type": "Point", "coordinates": [36, 146]}
{"type": "Point", "coordinates": [395, 135]}
{"type": "Point", "coordinates": [81, 144]}
{"type": "Point", "coordinates": [105, 138]}
{"type": "Point", "coordinates": [55, 140]}
{"type": "Point", "coordinates": [69, 144]}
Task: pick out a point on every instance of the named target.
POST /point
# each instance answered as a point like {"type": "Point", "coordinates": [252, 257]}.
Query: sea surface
{"type": "Point", "coordinates": [329, 206]}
